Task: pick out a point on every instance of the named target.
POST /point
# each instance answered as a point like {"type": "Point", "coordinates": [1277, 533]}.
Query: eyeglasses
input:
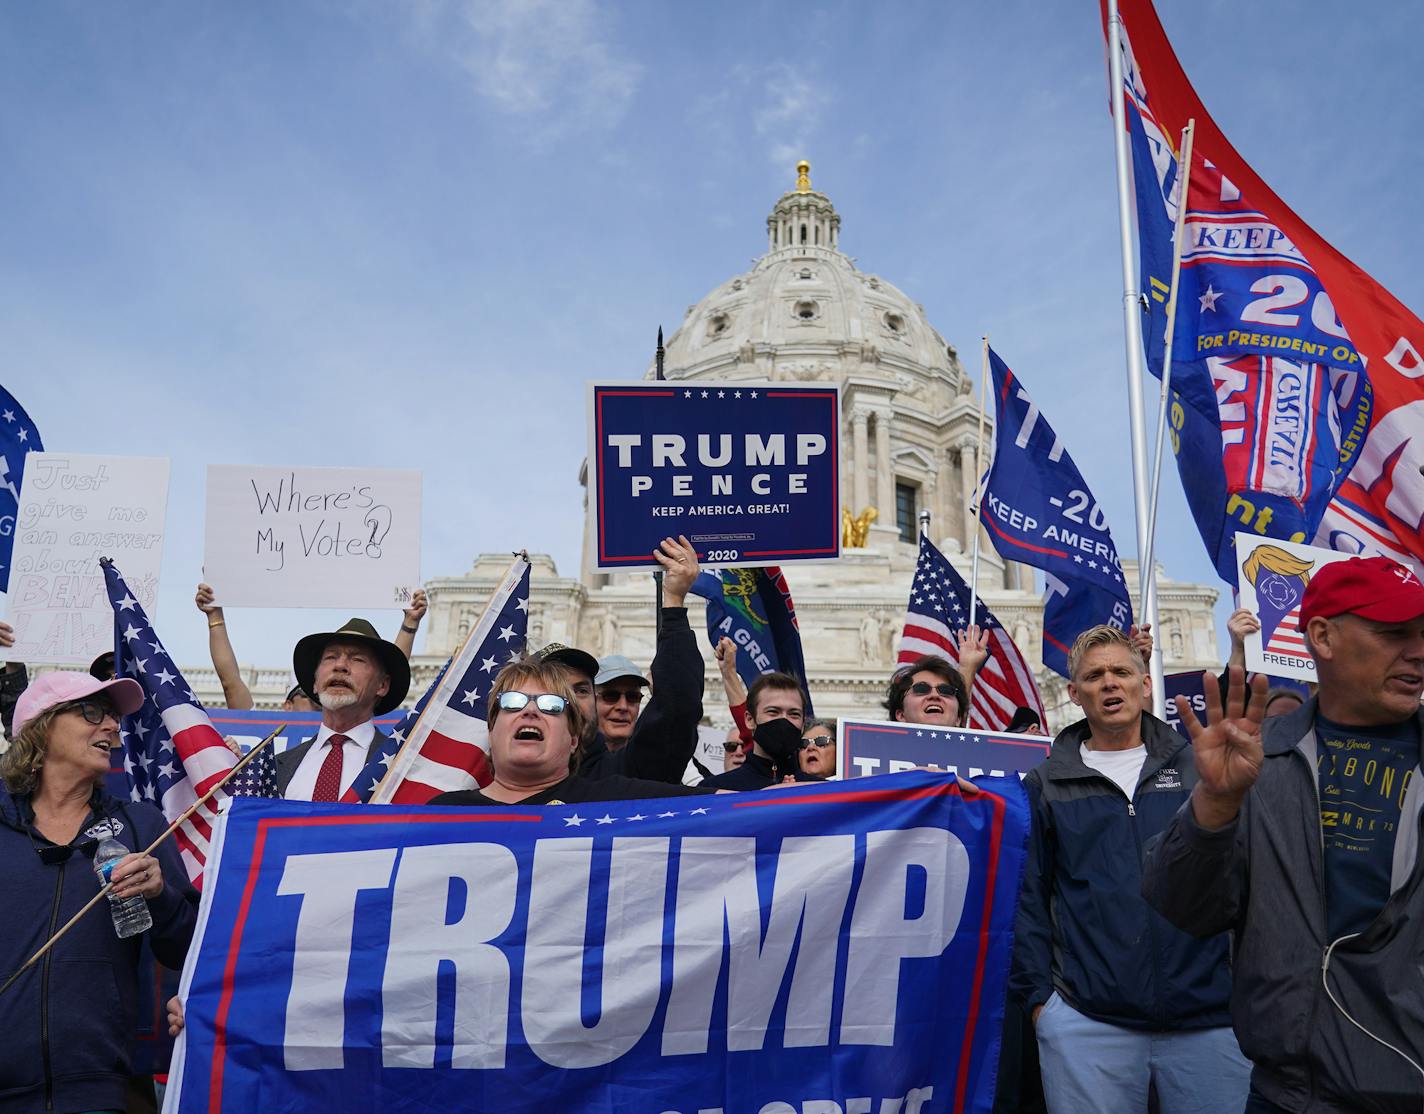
{"type": "Point", "coordinates": [93, 711]}
{"type": "Point", "coordinates": [546, 702]}
{"type": "Point", "coordinates": [731, 746]}
{"type": "Point", "coordinates": [613, 696]}
{"type": "Point", "coordinates": [821, 741]}
{"type": "Point", "coordinates": [924, 688]}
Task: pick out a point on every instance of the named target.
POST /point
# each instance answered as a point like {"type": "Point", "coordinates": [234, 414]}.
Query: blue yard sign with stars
{"type": "Point", "coordinates": [749, 472]}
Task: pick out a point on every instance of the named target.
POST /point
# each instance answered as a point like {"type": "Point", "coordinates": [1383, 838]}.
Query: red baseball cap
{"type": "Point", "coordinates": [1370, 587]}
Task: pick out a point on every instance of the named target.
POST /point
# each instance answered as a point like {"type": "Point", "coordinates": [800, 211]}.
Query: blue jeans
{"type": "Point", "coordinates": [1090, 1067]}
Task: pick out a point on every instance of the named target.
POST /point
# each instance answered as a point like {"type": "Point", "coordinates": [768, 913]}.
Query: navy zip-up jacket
{"type": "Point", "coordinates": [1083, 927]}
{"type": "Point", "coordinates": [67, 1022]}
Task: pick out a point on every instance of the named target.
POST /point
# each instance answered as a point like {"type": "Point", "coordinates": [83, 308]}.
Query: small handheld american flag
{"type": "Point", "coordinates": [172, 752]}
{"type": "Point", "coordinates": [939, 608]}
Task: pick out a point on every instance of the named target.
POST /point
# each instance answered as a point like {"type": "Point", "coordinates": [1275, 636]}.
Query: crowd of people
{"type": "Point", "coordinates": [1222, 924]}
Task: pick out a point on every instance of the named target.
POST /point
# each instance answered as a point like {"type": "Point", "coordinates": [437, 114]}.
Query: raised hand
{"type": "Point", "coordinates": [973, 649]}
{"type": "Point", "coordinates": [206, 601]}
{"type": "Point", "coordinates": [1141, 638]}
{"type": "Point", "coordinates": [416, 611]}
{"type": "Point", "coordinates": [679, 561]}
{"type": "Point", "coordinates": [1228, 749]}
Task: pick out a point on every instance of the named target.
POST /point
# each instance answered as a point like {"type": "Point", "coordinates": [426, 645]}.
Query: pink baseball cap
{"type": "Point", "coordinates": [50, 689]}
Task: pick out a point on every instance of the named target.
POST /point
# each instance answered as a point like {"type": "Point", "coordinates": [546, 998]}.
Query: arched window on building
{"type": "Point", "coordinates": [803, 233]}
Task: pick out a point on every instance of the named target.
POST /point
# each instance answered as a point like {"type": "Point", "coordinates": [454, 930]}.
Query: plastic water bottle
{"type": "Point", "coordinates": [131, 915]}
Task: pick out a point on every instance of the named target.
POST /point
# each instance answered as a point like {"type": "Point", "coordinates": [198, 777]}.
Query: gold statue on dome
{"type": "Point", "coordinates": [855, 529]}
{"type": "Point", "coordinates": [803, 177]}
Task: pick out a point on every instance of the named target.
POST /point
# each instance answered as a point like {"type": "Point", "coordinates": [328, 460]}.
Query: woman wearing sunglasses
{"type": "Point", "coordinates": [534, 730]}
{"type": "Point", "coordinates": [69, 1019]}
{"type": "Point", "coordinates": [818, 749]}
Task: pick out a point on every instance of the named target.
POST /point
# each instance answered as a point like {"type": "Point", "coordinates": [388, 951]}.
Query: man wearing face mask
{"type": "Point", "coordinates": [776, 709]}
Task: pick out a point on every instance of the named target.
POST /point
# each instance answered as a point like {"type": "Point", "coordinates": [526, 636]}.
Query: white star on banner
{"type": "Point", "coordinates": [575, 820]}
{"type": "Point", "coordinates": [167, 770]}
{"type": "Point", "coordinates": [166, 678]}
{"type": "Point", "coordinates": [721, 394]}
{"type": "Point", "coordinates": [704, 394]}
{"type": "Point", "coordinates": [605, 819]}
{"type": "Point", "coordinates": [489, 665]}
{"type": "Point", "coordinates": [388, 758]}
{"type": "Point", "coordinates": [665, 815]}
{"type": "Point", "coordinates": [522, 605]}
{"type": "Point", "coordinates": [470, 697]}
{"type": "Point", "coordinates": [754, 394]}
{"type": "Point", "coordinates": [698, 812]}
{"type": "Point", "coordinates": [132, 633]}
{"type": "Point", "coordinates": [640, 816]}
{"type": "Point", "coordinates": [686, 394]}
{"type": "Point", "coordinates": [128, 603]}
{"type": "Point", "coordinates": [23, 435]}
{"type": "Point", "coordinates": [1208, 300]}
{"type": "Point", "coordinates": [9, 415]}
{"type": "Point", "coordinates": [736, 394]}
{"type": "Point", "coordinates": [140, 664]}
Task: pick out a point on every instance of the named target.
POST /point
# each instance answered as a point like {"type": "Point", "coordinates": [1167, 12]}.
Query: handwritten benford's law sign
{"type": "Point", "coordinates": [312, 537]}
{"type": "Point", "coordinates": [749, 472]}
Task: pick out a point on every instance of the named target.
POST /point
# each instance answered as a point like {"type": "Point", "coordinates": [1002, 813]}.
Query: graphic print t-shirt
{"type": "Point", "coordinates": [1364, 773]}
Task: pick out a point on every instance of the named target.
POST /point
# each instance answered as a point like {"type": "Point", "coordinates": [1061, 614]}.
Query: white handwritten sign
{"type": "Point", "coordinates": [75, 509]}
{"type": "Point", "coordinates": [312, 537]}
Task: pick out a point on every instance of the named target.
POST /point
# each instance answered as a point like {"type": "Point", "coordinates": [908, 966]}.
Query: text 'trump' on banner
{"type": "Point", "coordinates": [749, 472]}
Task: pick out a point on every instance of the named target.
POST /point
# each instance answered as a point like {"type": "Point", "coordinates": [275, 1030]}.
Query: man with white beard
{"type": "Point", "coordinates": [354, 674]}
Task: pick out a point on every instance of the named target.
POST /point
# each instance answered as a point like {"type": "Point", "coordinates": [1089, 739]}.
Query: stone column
{"type": "Point", "coordinates": [884, 478]}
{"type": "Point", "coordinates": [859, 460]}
{"type": "Point", "coordinates": [969, 475]}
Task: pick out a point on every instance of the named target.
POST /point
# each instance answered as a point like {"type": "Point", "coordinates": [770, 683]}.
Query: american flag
{"type": "Point", "coordinates": [938, 610]}
{"type": "Point", "coordinates": [442, 745]}
{"type": "Point", "coordinates": [172, 752]}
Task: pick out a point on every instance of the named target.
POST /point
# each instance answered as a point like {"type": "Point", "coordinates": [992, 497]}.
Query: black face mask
{"type": "Point", "coordinates": [780, 739]}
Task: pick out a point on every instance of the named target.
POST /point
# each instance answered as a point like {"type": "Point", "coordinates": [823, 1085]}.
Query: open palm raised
{"type": "Point", "coordinates": [1228, 748]}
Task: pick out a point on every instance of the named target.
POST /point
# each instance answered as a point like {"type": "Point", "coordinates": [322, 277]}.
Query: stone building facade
{"type": "Point", "coordinates": [910, 442]}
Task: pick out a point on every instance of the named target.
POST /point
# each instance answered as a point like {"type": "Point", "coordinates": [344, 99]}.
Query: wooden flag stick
{"type": "Point", "coordinates": [173, 827]}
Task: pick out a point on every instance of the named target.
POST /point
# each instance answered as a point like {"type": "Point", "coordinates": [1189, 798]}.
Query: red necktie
{"type": "Point", "coordinates": [328, 778]}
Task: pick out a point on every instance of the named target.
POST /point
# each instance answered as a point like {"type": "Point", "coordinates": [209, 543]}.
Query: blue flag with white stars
{"type": "Point", "coordinates": [18, 438]}
{"type": "Point", "coordinates": [1038, 510]}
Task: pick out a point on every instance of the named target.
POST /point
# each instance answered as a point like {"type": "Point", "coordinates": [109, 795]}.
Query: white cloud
{"type": "Point", "coordinates": [789, 112]}
{"type": "Point", "coordinates": [552, 62]}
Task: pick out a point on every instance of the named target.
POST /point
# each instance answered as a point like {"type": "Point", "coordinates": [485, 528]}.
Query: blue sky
{"type": "Point", "coordinates": [381, 233]}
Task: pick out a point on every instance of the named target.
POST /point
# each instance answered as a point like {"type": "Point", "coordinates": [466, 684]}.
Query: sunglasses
{"type": "Point", "coordinates": [546, 702]}
{"type": "Point", "coordinates": [93, 711]}
{"type": "Point", "coordinates": [924, 688]}
{"type": "Point", "coordinates": [613, 696]}
{"type": "Point", "coordinates": [735, 745]}
{"type": "Point", "coordinates": [821, 741]}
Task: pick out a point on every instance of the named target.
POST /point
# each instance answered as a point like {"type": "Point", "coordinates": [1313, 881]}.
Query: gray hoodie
{"type": "Point", "coordinates": [1262, 877]}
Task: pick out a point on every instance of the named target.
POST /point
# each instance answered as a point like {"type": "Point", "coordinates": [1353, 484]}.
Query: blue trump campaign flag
{"type": "Point", "coordinates": [1270, 401]}
{"type": "Point", "coordinates": [833, 947]}
{"type": "Point", "coordinates": [1039, 511]}
{"type": "Point", "coordinates": [18, 438]}
{"type": "Point", "coordinates": [753, 608]}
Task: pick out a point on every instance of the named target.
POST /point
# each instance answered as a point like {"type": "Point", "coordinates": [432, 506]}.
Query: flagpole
{"type": "Point", "coordinates": [658, 575]}
{"type": "Point", "coordinates": [1132, 330]}
{"type": "Point", "coordinates": [1184, 177]}
{"type": "Point", "coordinates": [173, 827]}
{"type": "Point", "coordinates": [978, 494]}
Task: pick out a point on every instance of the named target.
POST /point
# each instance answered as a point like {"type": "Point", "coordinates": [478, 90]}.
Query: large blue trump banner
{"type": "Point", "coordinates": [799, 951]}
{"type": "Point", "coordinates": [749, 472]}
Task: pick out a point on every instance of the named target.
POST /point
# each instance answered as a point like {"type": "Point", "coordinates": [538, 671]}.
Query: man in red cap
{"type": "Point", "coordinates": [1302, 836]}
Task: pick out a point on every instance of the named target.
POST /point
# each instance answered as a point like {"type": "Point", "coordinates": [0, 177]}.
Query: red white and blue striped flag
{"type": "Point", "coordinates": [172, 752]}
{"type": "Point", "coordinates": [938, 610]}
{"type": "Point", "coordinates": [443, 744]}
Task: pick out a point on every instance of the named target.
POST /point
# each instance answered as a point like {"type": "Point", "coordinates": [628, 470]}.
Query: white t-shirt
{"type": "Point", "coordinates": [1123, 766]}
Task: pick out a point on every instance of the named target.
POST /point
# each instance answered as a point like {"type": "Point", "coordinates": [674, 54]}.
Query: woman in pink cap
{"type": "Point", "coordinates": [69, 1019]}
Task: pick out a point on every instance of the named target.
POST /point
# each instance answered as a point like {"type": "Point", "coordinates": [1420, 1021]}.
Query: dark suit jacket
{"type": "Point", "coordinates": [290, 759]}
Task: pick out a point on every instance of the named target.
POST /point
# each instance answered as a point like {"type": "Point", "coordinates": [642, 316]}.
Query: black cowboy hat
{"type": "Point", "coordinates": [309, 650]}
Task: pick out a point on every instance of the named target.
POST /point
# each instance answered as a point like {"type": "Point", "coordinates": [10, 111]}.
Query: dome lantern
{"type": "Point", "coordinates": [803, 218]}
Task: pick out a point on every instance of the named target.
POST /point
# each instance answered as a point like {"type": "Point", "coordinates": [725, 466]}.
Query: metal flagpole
{"type": "Point", "coordinates": [1132, 330]}
{"type": "Point", "coordinates": [978, 495]}
{"type": "Point", "coordinates": [658, 575]}
{"type": "Point", "coordinates": [1184, 177]}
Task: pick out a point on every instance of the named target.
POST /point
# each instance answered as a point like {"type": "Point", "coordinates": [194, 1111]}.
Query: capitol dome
{"type": "Point", "coordinates": [806, 312]}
